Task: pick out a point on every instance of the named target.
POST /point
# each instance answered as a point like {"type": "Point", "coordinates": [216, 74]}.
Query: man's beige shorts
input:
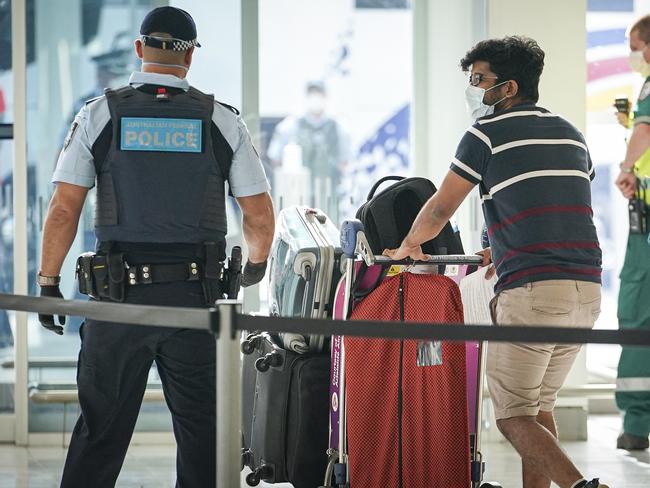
{"type": "Point", "coordinates": [525, 378]}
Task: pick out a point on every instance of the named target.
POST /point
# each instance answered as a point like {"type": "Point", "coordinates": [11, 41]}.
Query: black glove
{"type": "Point", "coordinates": [253, 273]}
{"type": "Point", "coordinates": [47, 321]}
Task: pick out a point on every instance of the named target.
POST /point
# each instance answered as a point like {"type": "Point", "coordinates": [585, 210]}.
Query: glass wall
{"type": "Point", "coordinates": [335, 88]}
{"type": "Point", "coordinates": [7, 376]}
{"type": "Point", "coordinates": [608, 77]}
{"type": "Point", "coordinates": [78, 48]}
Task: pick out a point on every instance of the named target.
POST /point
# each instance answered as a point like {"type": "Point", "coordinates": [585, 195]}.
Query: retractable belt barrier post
{"type": "Point", "coordinates": [225, 322]}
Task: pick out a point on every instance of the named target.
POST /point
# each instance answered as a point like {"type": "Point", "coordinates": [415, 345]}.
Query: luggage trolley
{"type": "Point", "coordinates": [354, 245]}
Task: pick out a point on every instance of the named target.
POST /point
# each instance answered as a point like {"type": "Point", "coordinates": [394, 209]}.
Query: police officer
{"type": "Point", "coordinates": [159, 152]}
{"type": "Point", "coordinates": [633, 383]}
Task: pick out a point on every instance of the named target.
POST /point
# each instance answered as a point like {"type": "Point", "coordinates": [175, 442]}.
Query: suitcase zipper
{"type": "Point", "coordinates": [399, 391]}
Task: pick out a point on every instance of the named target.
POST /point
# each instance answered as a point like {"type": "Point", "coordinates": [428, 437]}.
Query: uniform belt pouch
{"type": "Point", "coordinates": [116, 276]}
{"type": "Point", "coordinates": [99, 273]}
{"type": "Point", "coordinates": [84, 273]}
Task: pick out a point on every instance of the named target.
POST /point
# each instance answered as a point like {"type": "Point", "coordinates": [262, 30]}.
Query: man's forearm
{"type": "Point", "coordinates": [258, 233]}
{"type": "Point", "coordinates": [58, 234]}
{"type": "Point", "coordinates": [428, 223]}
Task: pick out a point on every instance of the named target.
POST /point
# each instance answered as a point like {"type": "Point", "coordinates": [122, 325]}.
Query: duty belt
{"type": "Point", "coordinates": [107, 274]}
{"type": "Point", "coordinates": [147, 274]}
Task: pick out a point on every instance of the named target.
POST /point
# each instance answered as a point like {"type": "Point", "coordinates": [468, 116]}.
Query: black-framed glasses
{"type": "Point", "coordinates": [475, 79]}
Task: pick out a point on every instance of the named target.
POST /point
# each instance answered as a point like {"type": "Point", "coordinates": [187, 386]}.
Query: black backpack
{"type": "Point", "coordinates": [388, 216]}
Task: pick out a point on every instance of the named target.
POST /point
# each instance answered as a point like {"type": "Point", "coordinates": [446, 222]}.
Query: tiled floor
{"type": "Point", "coordinates": [153, 467]}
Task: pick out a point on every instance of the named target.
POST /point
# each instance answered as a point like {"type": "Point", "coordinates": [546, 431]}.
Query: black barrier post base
{"type": "Point", "coordinates": [223, 323]}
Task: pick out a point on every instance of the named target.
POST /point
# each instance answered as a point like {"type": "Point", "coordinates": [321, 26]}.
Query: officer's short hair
{"type": "Point", "coordinates": [642, 28]}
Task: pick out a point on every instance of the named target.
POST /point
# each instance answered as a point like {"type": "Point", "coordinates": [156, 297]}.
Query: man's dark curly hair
{"type": "Point", "coordinates": [511, 58]}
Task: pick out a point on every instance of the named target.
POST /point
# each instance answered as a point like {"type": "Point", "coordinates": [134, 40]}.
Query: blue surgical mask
{"type": "Point", "coordinates": [474, 101]}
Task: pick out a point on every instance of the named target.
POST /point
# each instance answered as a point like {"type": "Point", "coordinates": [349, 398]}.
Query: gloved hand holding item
{"type": "Point", "coordinates": [253, 273]}
{"type": "Point", "coordinates": [47, 321]}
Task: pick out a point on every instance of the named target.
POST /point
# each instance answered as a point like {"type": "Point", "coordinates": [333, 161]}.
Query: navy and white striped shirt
{"type": "Point", "coordinates": [534, 172]}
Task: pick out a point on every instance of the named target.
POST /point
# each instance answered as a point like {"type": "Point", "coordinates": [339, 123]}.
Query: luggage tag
{"type": "Point", "coordinates": [452, 270]}
{"type": "Point", "coordinates": [394, 270]}
{"type": "Point", "coordinates": [429, 353]}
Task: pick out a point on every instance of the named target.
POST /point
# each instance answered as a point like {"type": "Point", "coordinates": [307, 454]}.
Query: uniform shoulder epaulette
{"type": "Point", "coordinates": [93, 100]}
{"type": "Point", "coordinates": [229, 107]}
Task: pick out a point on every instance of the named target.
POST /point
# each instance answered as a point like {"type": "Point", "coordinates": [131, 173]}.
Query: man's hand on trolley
{"type": "Point", "coordinates": [47, 321]}
{"type": "Point", "coordinates": [406, 250]}
{"type": "Point", "coordinates": [486, 254]}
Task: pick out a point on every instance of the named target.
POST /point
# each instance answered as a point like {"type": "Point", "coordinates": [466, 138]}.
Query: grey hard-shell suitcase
{"type": "Point", "coordinates": [285, 379]}
{"type": "Point", "coordinates": [304, 270]}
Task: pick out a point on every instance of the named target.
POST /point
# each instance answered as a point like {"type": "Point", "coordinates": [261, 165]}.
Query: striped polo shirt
{"type": "Point", "coordinates": [534, 174]}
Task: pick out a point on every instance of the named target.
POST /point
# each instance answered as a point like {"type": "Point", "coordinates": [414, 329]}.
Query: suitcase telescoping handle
{"type": "Point", "coordinates": [372, 191]}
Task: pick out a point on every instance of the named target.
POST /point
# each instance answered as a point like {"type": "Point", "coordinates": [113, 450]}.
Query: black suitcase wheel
{"type": "Point", "coordinates": [250, 343]}
{"type": "Point", "coordinates": [271, 359]}
{"type": "Point", "coordinates": [253, 479]}
{"type": "Point", "coordinates": [263, 472]}
{"type": "Point", "coordinates": [491, 485]}
{"type": "Point", "coordinates": [247, 347]}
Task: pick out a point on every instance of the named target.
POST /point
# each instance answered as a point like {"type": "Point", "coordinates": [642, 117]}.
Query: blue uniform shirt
{"type": "Point", "coordinates": [76, 165]}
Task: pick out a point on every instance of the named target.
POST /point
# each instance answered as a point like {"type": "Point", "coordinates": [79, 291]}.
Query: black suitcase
{"type": "Point", "coordinates": [288, 433]}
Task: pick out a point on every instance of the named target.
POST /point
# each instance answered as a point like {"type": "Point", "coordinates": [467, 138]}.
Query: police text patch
{"type": "Point", "coordinates": [158, 134]}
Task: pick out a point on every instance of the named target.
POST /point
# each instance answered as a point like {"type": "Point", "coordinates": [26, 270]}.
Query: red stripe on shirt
{"type": "Point", "coordinates": [548, 245]}
{"type": "Point", "coordinates": [533, 212]}
{"type": "Point", "coordinates": [550, 269]}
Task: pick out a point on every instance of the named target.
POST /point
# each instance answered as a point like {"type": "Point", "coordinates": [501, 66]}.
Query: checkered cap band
{"type": "Point", "coordinates": [171, 43]}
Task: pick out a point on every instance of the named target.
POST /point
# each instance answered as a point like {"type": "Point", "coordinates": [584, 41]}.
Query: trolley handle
{"type": "Point", "coordinates": [449, 259]}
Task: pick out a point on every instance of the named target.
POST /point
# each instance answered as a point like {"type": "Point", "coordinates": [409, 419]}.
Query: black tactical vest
{"type": "Point", "coordinates": [160, 181]}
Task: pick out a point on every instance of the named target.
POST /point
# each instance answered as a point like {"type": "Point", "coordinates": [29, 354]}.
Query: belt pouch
{"type": "Point", "coordinates": [100, 275]}
{"type": "Point", "coordinates": [84, 273]}
{"type": "Point", "coordinates": [213, 273]}
{"type": "Point", "coordinates": [116, 276]}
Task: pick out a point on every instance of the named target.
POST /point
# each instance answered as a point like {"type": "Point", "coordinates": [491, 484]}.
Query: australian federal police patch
{"type": "Point", "coordinates": [160, 134]}
{"type": "Point", "coordinates": [70, 135]}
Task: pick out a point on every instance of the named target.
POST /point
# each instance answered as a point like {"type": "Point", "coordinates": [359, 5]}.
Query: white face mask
{"type": "Point", "coordinates": [315, 103]}
{"type": "Point", "coordinates": [638, 62]}
{"type": "Point", "coordinates": [474, 101]}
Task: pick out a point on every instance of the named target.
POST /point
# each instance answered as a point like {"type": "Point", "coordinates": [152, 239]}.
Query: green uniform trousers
{"type": "Point", "coordinates": [633, 383]}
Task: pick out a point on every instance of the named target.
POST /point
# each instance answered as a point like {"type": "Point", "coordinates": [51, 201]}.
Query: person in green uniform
{"type": "Point", "coordinates": [633, 382]}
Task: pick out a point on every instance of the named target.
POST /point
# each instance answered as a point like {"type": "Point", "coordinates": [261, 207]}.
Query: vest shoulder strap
{"type": "Point", "coordinates": [93, 100]}
{"type": "Point", "coordinates": [229, 107]}
{"type": "Point", "coordinates": [119, 93]}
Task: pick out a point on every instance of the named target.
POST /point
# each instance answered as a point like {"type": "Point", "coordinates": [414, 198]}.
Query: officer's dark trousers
{"type": "Point", "coordinates": [114, 364]}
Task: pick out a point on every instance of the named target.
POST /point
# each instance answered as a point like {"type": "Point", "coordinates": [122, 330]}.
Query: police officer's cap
{"type": "Point", "coordinates": [173, 21]}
